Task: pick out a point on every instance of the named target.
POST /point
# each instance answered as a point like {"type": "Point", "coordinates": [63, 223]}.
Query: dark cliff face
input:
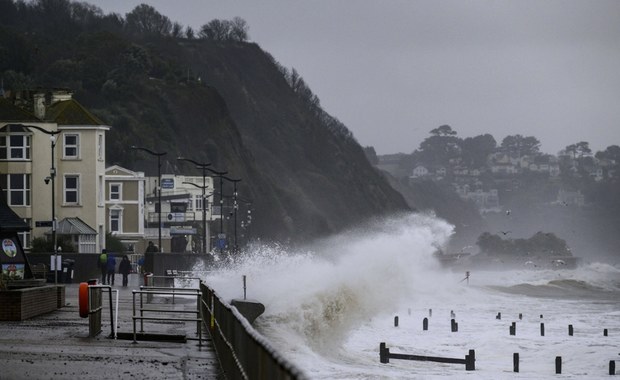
{"type": "Point", "coordinates": [228, 103]}
{"type": "Point", "coordinates": [308, 181]}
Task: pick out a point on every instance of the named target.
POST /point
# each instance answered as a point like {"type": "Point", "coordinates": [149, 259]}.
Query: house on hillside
{"type": "Point", "coordinates": [49, 139]}
{"type": "Point", "coordinates": [419, 171]}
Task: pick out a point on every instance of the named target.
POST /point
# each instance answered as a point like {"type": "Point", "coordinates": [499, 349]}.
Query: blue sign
{"type": "Point", "coordinates": [167, 183]}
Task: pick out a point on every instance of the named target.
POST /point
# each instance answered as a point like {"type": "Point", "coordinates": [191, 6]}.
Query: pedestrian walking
{"type": "Point", "coordinates": [103, 265]}
{"type": "Point", "coordinates": [124, 268]}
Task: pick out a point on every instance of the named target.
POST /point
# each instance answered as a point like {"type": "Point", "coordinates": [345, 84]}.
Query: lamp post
{"type": "Point", "coordinates": [158, 154]}
{"type": "Point", "coordinates": [52, 178]}
{"type": "Point", "coordinates": [203, 166]}
{"type": "Point", "coordinates": [235, 206]}
{"type": "Point", "coordinates": [204, 218]}
{"type": "Point", "coordinates": [221, 176]}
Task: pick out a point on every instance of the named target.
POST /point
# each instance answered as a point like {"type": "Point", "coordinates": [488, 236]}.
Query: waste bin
{"type": "Point", "coordinates": [67, 270]}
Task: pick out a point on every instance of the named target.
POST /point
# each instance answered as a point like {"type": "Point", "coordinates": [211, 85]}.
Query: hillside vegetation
{"type": "Point", "coordinates": [208, 95]}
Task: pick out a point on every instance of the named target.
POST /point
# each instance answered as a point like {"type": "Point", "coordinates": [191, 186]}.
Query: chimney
{"type": "Point", "coordinates": [39, 105]}
{"type": "Point", "coordinates": [60, 96]}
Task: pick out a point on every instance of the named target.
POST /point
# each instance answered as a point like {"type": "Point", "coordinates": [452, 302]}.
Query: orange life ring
{"type": "Point", "coordinates": [83, 299]}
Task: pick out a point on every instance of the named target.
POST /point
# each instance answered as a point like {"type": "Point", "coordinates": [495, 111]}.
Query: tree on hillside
{"type": "Point", "coordinates": [612, 152]}
{"type": "Point", "coordinates": [475, 150]}
{"type": "Point", "coordinates": [517, 145]}
{"type": "Point", "coordinates": [146, 21]}
{"type": "Point", "coordinates": [444, 130]}
{"type": "Point", "coordinates": [440, 147]}
{"type": "Point", "coordinates": [225, 30]}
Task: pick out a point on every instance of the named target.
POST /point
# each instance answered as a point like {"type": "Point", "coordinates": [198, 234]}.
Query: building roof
{"type": "Point", "coordinates": [74, 226]}
{"type": "Point", "coordinates": [9, 220]}
{"type": "Point", "coordinates": [70, 112]}
{"type": "Point", "coordinates": [10, 112]}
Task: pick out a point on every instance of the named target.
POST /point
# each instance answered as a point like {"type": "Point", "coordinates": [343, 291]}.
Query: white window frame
{"type": "Point", "coordinates": [116, 213]}
{"type": "Point", "coordinates": [25, 237]}
{"type": "Point", "coordinates": [9, 190]}
{"type": "Point", "coordinates": [8, 148]}
{"type": "Point", "coordinates": [75, 146]}
{"type": "Point", "coordinates": [66, 189]}
{"type": "Point", "coordinates": [120, 191]}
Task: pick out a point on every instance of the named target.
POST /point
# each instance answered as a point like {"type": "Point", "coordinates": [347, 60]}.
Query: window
{"type": "Point", "coordinates": [14, 147]}
{"type": "Point", "coordinates": [72, 189]}
{"type": "Point", "coordinates": [115, 191]}
{"type": "Point", "coordinates": [16, 189]}
{"type": "Point", "coordinates": [24, 236]}
{"type": "Point", "coordinates": [100, 147]}
{"type": "Point", "coordinates": [116, 220]}
{"type": "Point", "coordinates": [72, 149]}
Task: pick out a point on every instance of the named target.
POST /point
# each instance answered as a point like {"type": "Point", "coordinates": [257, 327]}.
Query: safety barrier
{"type": "Point", "coordinates": [243, 353]}
{"type": "Point", "coordinates": [91, 306]}
{"type": "Point", "coordinates": [166, 291]}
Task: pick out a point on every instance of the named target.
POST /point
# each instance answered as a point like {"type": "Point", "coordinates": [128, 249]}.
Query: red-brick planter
{"type": "Point", "coordinates": [25, 303]}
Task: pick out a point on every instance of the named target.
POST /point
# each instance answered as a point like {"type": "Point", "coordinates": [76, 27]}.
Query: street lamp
{"type": "Point", "coordinates": [221, 176]}
{"type": "Point", "coordinates": [235, 206]}
{"type": "Point", "coordinates": [203, 166]}
{"type": "Point", "coordinates": [204, 218]}
{"type": "Point", "coordinates": [52, 178]}
{"type": "Point", "coordinates": [158, 154]}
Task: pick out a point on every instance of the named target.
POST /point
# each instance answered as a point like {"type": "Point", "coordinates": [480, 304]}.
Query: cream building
{"type": "Point", "coordinates": [124, 200]}
{"type": "Point", "coordinates": [76, 141]}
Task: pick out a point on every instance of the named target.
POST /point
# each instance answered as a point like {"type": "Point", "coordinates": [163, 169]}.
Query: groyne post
{"type": "Point", "coordinates": [570, 330]}
{"type": "Point", "coordinates": [515, 362]}
{"type": "Point", "coordinates": [612, 367]}
{"type": "Point", "coordinates": [396, 321]}
{"type": "Point", "coordinates": [425, 324]}
{"type": "Point", "coordinates": [558, 364]}
{"type": "Point", "coordinates": [542, 329]}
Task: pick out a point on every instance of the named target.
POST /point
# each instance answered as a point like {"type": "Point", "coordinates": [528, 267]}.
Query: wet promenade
{"type": "Point", "coordinates": [57, 345]}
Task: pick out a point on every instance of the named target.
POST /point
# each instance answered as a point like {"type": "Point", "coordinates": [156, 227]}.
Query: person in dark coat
{"type": "Point", "coordinates": [111, 266]}
{"type": "Point", "coordinates": [124, 268]}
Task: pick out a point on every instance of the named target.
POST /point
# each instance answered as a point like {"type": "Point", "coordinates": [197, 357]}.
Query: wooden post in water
{"type": "Point", "coordinates": [515, 362]}
{"type": "Point", "coordinates": [384, 353]}
{"type": "Point", "coordinates": [470, 361]}
{"type": "Point", "coordinates": [425, 324]}
{"type": "Point", "coordinates": [430, 312]}
{"type": "Point", "coordinates": [498, 316]}
{"type": "Point", "coordinates": [558, 364]}
{"type": "Point", "coordinates": [605, 332]}
{"type": "Point", "coordinates": [612, 367]}
{"type": "Point", "coordinates": [513, 328]}
{"type": "Point", "coordinates": [452, 325]}
{"type": "Point", "coordinates": [520, 316]}
{"type": "Point", "coordinates": [542, 329]}
{"type": "Point", "coordinates": [396, 321]}
{"type": "Point", "coordinates": [570, 330]}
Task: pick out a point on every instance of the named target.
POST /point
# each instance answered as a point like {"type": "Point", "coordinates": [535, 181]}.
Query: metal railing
{"type": "Point", "coordinates": [95, 309]}
{"type": "Point", "coordinates": [169, 281]}
{"type": "Point", "coordinates": [243, 352]}
{"type": "Point", "coordinates": [166, 291]}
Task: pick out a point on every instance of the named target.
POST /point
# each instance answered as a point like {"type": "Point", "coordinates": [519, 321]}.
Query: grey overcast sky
{"type": "Point", "coordinates": [392, 70]}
